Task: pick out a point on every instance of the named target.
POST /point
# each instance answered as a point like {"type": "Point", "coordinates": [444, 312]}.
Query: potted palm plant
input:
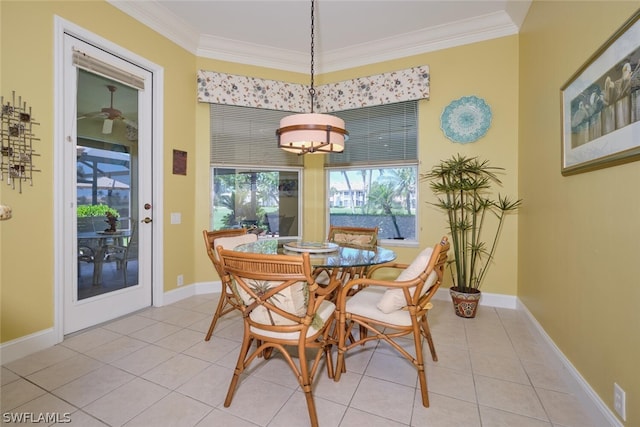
{"type": "Point", "coordinates": [463, 186]}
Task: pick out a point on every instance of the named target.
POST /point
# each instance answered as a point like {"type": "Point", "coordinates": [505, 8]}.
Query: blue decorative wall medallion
{"type": "Point", "coordinates": [466, 119]}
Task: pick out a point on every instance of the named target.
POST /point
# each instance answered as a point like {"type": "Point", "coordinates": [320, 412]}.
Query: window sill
{"type": "Point", "coordinates": [399, 243]}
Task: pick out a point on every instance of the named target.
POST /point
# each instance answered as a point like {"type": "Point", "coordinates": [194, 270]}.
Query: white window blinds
{"type": "Point", "coordinates": [96, 66]}
{"type": "Point", "coordinates": [247, 136]}
{"type": "Point", "coordinates": [382, 134]}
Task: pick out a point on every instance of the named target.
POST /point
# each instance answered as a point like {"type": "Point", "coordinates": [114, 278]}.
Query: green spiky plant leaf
{"type": "Point", "coordinates": [463, 186]}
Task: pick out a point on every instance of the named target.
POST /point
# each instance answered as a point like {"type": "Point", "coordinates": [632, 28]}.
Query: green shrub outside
{"type": "Point", "coordinates": [95, 210]}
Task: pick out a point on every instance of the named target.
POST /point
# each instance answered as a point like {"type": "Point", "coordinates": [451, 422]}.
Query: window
{"type": "Point", "coordinates": [266, 199]}
{"type": "Point", "coordinates": [373, 183]}
{"type": "Point", "coordinates": [254, 184]}
{"type": "Point", "coordinates": [382, 197]}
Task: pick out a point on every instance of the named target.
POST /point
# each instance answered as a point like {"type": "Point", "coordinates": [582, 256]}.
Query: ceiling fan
{"type": "Point", "coordinates": [110, 114]}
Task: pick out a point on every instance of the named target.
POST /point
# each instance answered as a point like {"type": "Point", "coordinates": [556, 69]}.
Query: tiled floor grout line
{"type": "Point", "coordinates": [521, 364]}
{"type": "Point", "coordinates": [224, 362]}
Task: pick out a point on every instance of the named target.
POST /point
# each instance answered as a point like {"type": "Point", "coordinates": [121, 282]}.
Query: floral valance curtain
{"type": "Point", "coordinates": [397, 86]}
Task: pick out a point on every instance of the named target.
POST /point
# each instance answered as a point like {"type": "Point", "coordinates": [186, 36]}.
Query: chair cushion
{"type": "Point", "coordinates": [232, 242]}
{"type": "Point", "coordinates": [325, 311]}
{"type": "Point", "coordinates": [364, 304]}
{"type": "Point", "coordinates": [291, 299]}
{"type": "Point", "coordinates": [393, 299]}
{"type": "Point", "coordinates": [323, 278]}
{"type": "Point", "coordinates": [354, 239]}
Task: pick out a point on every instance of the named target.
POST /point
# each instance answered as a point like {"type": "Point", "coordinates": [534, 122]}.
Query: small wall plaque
{"type": "Point", "coordinates": [179, 162]}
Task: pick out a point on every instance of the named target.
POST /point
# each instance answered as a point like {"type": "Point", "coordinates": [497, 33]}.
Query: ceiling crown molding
{"type": "Point", "coordinates": [162, 21]}
{"type": "Point", "coordinates": [252, 54]}
{"type": "Point", "coordinates": [454, 34]}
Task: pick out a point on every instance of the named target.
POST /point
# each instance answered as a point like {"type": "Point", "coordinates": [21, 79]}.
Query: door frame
{"type": "Point", "coordinates": [62, 26]}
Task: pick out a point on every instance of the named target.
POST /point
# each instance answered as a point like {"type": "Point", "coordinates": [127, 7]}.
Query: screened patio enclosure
{"type": "Point", "coordinates": [104, 177]}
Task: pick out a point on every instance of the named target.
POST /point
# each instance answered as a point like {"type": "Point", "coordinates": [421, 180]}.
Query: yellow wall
{"type": "Point", "coordinates": [572, 234]}
{"type": "Point", "coordinates": [579, 247]}
{"type": "Point", "coordinates": [203, 269]}
{"type": "Point", "coordinates": [488, 70]}
{"type": "Point", "coordinates": [27, 294]}
{"type": "Point", "coordinates": [27, 304]}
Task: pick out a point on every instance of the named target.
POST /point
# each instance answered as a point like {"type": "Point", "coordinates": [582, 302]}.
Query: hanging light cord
{"type": "Point", "coordinates": [312, 91]}
{"type": "Point", "coordinates": [312, 133]}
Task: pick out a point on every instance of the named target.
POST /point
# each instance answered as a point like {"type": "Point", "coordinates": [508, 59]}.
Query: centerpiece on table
{"type": "Point", "coordinates": [112, 221]}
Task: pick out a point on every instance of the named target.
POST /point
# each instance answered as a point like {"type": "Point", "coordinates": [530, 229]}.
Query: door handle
{"type": "Point", "coordinates": [147, 220]}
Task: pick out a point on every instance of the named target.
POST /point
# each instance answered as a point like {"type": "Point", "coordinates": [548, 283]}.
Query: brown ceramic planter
{"type": "Point", "coordinates": [465, 304]}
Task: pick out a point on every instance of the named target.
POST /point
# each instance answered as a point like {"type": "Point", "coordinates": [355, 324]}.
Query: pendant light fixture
{"type": "Point", "coordinates": [312, 132]}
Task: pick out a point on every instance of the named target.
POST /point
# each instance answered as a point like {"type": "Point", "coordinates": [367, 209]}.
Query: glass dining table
{"type": "Point", "coordinates": [322, 255]}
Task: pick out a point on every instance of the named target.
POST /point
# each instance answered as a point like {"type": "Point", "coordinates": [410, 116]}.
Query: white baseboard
{"type": "Point", "coordinates": [178, 294]}
{"type": "Point", "coordinates": [187, 291]}
{"type": "Point", "coordinates": [587, 395]}
{"type": "Point", "coordinates": [24, 346]}
{"type": "Point", "coordinates": [490, 300]}
{"type": "Point", "coordinates": [208, 287]}
{"type": "Point", "coordinates": [28, 344]}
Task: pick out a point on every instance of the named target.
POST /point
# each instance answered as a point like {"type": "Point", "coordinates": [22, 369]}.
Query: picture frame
{"type": "Point", "coordinates": [601, 105]}
{"type": "Point", "coordinates": [179, 162]}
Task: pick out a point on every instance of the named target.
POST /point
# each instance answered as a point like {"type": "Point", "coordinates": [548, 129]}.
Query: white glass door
{"type": "Point", "coordinates": [107, 186]}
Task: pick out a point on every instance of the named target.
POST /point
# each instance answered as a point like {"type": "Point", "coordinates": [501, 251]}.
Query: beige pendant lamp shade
{"type": "Point", "coordinates": [312, 132]}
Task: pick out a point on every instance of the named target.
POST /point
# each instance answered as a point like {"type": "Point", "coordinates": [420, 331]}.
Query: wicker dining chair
{"type": "Point", "coordinates": [386, 310]}
{"type": "Point", "coordinates": [356, 237]}
{"type": "Point", "coordinates": [284, 310]}
{"type": "Point", "coordinates": [359, 237]}
{"type": "Point", "coordinates": [228, 239]}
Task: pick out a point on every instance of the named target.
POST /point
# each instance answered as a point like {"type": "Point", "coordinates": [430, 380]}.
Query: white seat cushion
{"type": "Point", "coordinates": [291, 299]}
{"type": "Point", "coordinates": [352, 238]}
{"type": "Point", "coordinates": [233, 241]}
{"type": "Point", "coordinates": [393, 299]}
{"type": "Point", "coordinates": [325, 311]}
{"type": "Point", "coordinates": [364, 304]}
{"type": "Point", "coordinates": [323, 278]}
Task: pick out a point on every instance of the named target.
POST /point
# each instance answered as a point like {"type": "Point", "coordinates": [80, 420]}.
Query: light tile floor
{"type": "Point", "coordinates": [153, 368]}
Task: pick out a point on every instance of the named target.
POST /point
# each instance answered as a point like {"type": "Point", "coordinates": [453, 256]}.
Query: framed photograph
{"type": "Point", "coordinates": [601, 105]}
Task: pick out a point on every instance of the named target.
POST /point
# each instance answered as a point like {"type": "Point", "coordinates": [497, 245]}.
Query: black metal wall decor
{"type": "Point", "coordinates": [16, 139]}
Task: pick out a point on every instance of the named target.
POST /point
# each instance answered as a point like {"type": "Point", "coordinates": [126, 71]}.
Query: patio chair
{"type": "Point", "coordinates": [283, 309]}
{"type": "Point", "coordinates": [86, 246]}
{"type": "Point", "coordinates": [228, 239]}
{"type": "Point", "coordinates": [122, 253]}
{"type": "Point", "coordinates": [85, 254]}
{"type": "Point", "coordinates": [386, 310]}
